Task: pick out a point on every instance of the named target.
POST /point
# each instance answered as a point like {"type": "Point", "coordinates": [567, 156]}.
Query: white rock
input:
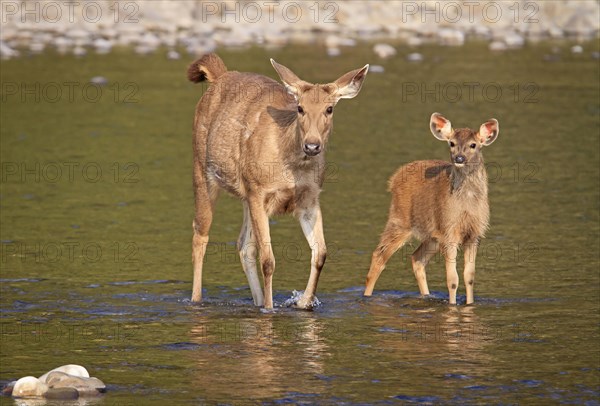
{"type": "Point", "coordinates": [576, 49]}
{"type": "Point", "coordinates": [143, 49]}
{"type": "Point", "coordinates": [37, 47]}
{"type": "Point", "coordinates": [414, 57]}
{"type": "Point", "coordinates": [7, 52]}
{"type": "Point", "coordinates": [497, 46]}
{"type": "Point", "coordinates": [384, 50]}
{"type": "Point", "coordinates": [79, 51]}
{"type": "Point", "coordinates": [451, 37]}
{"type": "Point", "coordinates": [414, 41]}
{"type": "Point", "coordinates": [62, 44]}
{"type": "Point", "coordinates": [334, 41]}
{"type": "Point", "coordinates": [71, 369]}
{"type": "Point", "coordinates": [481, 31]}
{"type": "Point", "coordinates": [100, 81]}
{"type": "Point", "coordinates": [149, 40]}
{"type": "Point", "coordinates": [29, 386]}
{"type": "Point", "coordinates": [102, 46]}
{"type": "Point", "coordinates": [514, 40]}
{"type": "Point", "coordinates": [376, 69]}
{"type": "Point", "coordinates": [333, 52]}
{"type": "Point", "coordinates": [200, 47]}
{"type": "Point", "coordinates": [173, 55]}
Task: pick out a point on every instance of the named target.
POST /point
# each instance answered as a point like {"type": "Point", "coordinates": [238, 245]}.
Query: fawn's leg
{"type": "Point", "coordinates": [392, 239]}
{"type": "Point", "coordinates": [311, 222]}
{"type": "Point", "coordinates": [420, 259]}
{"type": "Point", "coordinates": [469, 274]}
{"type": "Point", "coordinates": [450, 252]}
{"type": "Point", "coordinates": [247, 250]}
{"type": "Point", "coordinates": [205, 195]}
{"type": "Point", "coordinates": [260, 228]}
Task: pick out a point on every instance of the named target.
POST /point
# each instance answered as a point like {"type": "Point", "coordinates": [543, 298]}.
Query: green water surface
{"type": "Point", "coordinates": [96, 211]}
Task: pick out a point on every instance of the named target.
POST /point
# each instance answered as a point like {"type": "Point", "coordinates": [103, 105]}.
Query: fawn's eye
{"type": "Point", "coordinates": [452, 145]}
{"type": "Point", "coordinates": [329, 110]}
{"type": "Point", "coordinates": [300, 110]}
{"type": "Point", "coordinates": [473, 145]}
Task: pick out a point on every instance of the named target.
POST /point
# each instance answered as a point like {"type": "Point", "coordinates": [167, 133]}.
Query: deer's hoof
{"type": "Point", "coordinates": [303, 304]}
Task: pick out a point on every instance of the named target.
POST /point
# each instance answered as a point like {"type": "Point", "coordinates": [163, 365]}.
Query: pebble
{"type": "Point", "coordinates": [65, 382]}
{"type": "Point", "coordinates": [164, 25]}
{"type": "Point", "coordinates": [29, 386]}
{"type": "Point", "coordinates": [451, 37]}
{"type": "Point", "coordinates": [102, 46]}
{"type": "Point", "coordinates": [333, 52]}
{"type": "Point", "coordinates": [497, 46]}
{"type": "Point", "coordinates": [414, 42]}
{"type": "Point", "coordinates": [99, 81]}
{"type": "Point", "coordinates": [173, 55]}
{"type": "Point", "coordinates": [71, 369]}
{"type": "Point", "coordinates": [414, 57]}
{"type": "Point", "coordinates": [384, 51]}
{"type": "Point", "coordinates": [7, 52]}
{"type": "Point", "coordinates": [376, 69]}
{"type": "Point", "coordinates": [514, 40]}
{"type": "Point", "coordinates": [79, 51]}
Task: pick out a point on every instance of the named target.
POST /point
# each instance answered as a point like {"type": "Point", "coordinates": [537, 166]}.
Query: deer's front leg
{"type": "Point", "coordinates": [451, 253]}
{"type": "Point", "coordinates": [260, 227]}
{"type": "Point", "coordinates": [469, 274]}
{"type": "Point", "coordinates": [311, 222]}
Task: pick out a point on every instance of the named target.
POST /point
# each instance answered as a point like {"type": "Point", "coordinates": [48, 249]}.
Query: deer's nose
{"type": "Point", "coordinates": [312, 149]}
{"type": "Point", "coordinates": [459, 159]}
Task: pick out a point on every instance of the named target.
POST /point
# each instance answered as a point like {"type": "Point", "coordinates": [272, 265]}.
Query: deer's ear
{"type": "Point", "coordinates": [441, 128]}
{"type": "Point", "coordinates": [348, 85]}
{"type": "Point", "coordinates": [488, 132]}
{"type": "Point", "coordinates": [291, 82]}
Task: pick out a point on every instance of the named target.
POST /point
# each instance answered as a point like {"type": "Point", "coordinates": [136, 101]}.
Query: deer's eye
{"type": "Point", "coordinates": [473, 145]}
{"type": "Point", "coordinates": [452, 145]}
{"type": "Point", "coordinates": [300, 110]}
{"type": "Point", "coordinates": [329, 110]}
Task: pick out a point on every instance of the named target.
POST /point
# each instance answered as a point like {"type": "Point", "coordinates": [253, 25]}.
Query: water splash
{"type": "Point", "coordinates": [296, 296]}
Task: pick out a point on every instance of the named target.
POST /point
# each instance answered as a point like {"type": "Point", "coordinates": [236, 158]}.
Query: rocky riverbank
{"type": "Point", "coordinates": [30, 27]}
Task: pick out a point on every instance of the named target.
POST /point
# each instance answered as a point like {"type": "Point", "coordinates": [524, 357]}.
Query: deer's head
{"type": "Point", "coordinates": [465, 144]}
{"type": "Point", "coordinates": [316, 103]}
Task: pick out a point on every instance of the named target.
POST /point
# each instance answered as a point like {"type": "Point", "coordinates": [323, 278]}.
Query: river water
{"type": "Point", "coordinates": [96, 209]}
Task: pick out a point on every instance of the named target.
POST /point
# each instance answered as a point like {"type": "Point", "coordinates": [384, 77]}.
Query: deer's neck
{"type": "Point", "coordinates": [471, 178]}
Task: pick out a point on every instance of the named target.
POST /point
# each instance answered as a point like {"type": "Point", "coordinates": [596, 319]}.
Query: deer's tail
{"type": "Point", "coordinates": [209, 67]}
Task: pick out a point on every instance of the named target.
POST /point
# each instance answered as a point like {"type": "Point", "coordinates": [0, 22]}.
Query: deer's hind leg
{"type": "Point", "coordinates": [205, 195]}
{"type": "Point", "coordinates": [262, 236]}
{"type": "Point", "coordinates": [247, 250]}
{"type": "Point", "coordinates": [392, 239]}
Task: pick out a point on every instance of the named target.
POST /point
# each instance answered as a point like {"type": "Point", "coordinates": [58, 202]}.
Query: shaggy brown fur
{"type": "Point", "coordinates": [443, 204]}
{"type": "Point", "coordinates": [264, 143]}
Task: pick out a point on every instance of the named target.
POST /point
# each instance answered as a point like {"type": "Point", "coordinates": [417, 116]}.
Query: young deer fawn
{"type": "Point", "coordinates": [264, 143]}
{"type": "Point", "coordinates": [443, 204]}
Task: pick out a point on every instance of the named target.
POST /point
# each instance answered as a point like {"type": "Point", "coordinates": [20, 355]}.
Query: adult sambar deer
{"type": "Point", "coordinates": [264, 143]}
{"type": "Point", "coordinates": [443, 204]}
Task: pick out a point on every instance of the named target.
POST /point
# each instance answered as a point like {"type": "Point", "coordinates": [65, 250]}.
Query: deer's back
{"type": "Point", "coordinates": [424, 200]}
{"type": "Point", "coordinates": [237, 102]}
{"type": "Point", "coordinates": [235, 129]}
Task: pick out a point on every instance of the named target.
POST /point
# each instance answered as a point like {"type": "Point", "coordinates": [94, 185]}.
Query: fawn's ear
{"type": "Point", "coordinates": [291, 82]}
{"type": "Point", "coordinates": [488, 132]}
{"type": "Point", "coordinates": [348, 85]}
{"type": "Point", "coordinates": [441, 128]}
